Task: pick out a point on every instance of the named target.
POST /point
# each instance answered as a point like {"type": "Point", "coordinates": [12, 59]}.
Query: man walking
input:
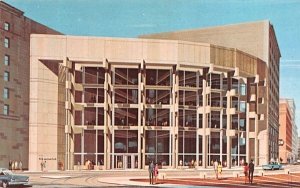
{"type": "Point", "coordinates": [251, 170]}
{"type": "Point", "coordinates": [151, 169]}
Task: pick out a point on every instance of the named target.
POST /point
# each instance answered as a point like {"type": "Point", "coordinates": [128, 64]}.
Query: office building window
{"type": "Point", "coordinates": [6, 42]}
{"type": "Point", "coordinates": [6, 26]}
{"type": "Point", "coordinates": [6, 76]}
{"type": "Point", "coordinates": [6, 60]}
{"type": "Point", "coordinates": [6, 93]}
{"type": "Point", "coordinates": [6, 109]}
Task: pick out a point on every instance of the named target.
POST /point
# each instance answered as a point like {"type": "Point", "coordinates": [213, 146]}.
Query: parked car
{"type": "Point", "coordinates": [8, 178]}
{"type": "Point", "coordinates": [272, 166]}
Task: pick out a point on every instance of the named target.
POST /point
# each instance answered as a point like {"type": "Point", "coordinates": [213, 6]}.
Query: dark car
{"type": "Point", "coordinates": [7, 178]}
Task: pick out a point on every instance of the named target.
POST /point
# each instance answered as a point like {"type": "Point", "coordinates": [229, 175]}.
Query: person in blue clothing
{"type": "Point", "coordinates": [151, 170]}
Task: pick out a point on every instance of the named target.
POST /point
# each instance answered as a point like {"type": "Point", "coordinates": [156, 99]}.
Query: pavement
{"type": "Point", "coordinates": [289, 177]}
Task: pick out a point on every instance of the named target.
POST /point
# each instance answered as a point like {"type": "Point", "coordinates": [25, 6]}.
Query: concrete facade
{"type": "Point", "coordinates": [121, 103]}
{"type": "Point", "coordinates": [285, 132]}
{"type": "Point", "coordinates": [15, 31]}
{"type": "Point", "coordinates": [293, 156]}
{"type": "Point", "coordinates": [294, 131]}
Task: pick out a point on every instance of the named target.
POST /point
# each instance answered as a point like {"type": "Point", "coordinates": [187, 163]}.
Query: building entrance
{"type": "Point", "coordinates": [126, 161]}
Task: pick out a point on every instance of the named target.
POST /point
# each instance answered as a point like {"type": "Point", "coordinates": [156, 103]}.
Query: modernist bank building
{"type": "Point", "coordinates": [192, 96]}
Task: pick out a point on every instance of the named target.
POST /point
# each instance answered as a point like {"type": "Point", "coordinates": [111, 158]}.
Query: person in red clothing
{"type": "Point", "coordinates": [246, 169]}
{"type": "Point", "coordinates": [156, 172]}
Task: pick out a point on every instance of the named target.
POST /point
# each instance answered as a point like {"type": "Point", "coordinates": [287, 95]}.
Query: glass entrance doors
{"type": "Point", "coordinates": [126, 161]}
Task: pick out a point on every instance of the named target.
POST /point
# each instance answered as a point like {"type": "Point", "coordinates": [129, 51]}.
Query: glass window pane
{"type": "Point", "coordinates": [150, 141]}
{"type": "Point", "coordinates": [189, 142]}
{"type": "Point", "coordinates": [6, 93]}
{"type": "Point", "coordinates": [6, 109]}
{"type": "Point", "coordinates": [120, 141]}
{"type": "Point", "coordinates": [132, 141]}
{"type": "Point", "coordinates": [100, 147]}
{"type": "Point", "coordinates": [163, 139]}
{"type": "Point", "coordinates": [6, 60]}
{"type": "Point", "coordinates": [6, 26]}
{"type": "Point", "coordinates": [90, 141]}
{"type": "Point", "coordinates": [6, 42]}
{"type": "Point", "coordinates": [77, 143]}
{"type": "Point", "coordinates": [6, 76]}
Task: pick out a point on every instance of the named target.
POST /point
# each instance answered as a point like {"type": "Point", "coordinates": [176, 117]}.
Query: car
{"type": "Point", "coordinates": [272, 166]}
{"type": "Point", "coordinates": [8, 178]}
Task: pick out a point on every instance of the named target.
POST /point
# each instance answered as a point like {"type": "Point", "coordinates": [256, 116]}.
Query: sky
{"type": "Point", "coordinates": [130, 18]}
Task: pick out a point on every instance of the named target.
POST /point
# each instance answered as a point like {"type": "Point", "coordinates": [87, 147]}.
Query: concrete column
{"type": "Point", "coordinates": [141, 115]}
{"type": "Point", "coordinates": [247, 134]}
{"type": "Point", "coordinates": [204, 123]}
{"type": "Point", "coordinates": [175, 119]}
{"type": "Point", "coordinates": [227, 129]}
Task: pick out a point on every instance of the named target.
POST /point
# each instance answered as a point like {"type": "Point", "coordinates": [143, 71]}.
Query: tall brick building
{"type": "Point", "coordinates": [15, 31]}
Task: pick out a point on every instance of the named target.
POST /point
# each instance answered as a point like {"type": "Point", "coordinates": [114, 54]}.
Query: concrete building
{"type": "Point", "coordinates": [298, 159]}
{"type": "Point", "coordinates": [121, 103]}
{"type": "Point", "coordinates": [15, 31]}
{"type": "Point", "coordinates": [285, 131]}
{"type": "Point", "coordinates": [259, 40]}
{"type": "Point", "coordinates": [294, 130]}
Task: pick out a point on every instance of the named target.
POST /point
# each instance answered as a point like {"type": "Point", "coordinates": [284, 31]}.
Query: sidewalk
{"type": "Point", "coordinates": [209, 174]}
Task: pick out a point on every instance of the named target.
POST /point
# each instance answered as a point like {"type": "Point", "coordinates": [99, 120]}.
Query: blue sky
{"type": "Point", "coordinates": [130, 18]}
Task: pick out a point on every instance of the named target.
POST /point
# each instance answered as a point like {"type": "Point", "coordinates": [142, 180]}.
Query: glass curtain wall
{"type": "Point", "coordinates": [89, 146]}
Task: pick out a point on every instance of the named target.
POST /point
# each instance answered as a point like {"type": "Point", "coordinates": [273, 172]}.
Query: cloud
{"type": "Point", "coordinates": [143, 25]}
{"type": "Point", "coordinates": [290, 63]}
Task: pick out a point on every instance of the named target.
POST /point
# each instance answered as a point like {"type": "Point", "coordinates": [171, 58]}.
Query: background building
{"type": "Point", "coordinates": [292, 109]}
{"type": "Point", "coordinates": [122, 102]}
{"type": "Point", "coordinates": [285, 132]}
{"type": "Point", "coordinates": [15, 31]}
{"type": "Point", "coordinates": [298, 149]}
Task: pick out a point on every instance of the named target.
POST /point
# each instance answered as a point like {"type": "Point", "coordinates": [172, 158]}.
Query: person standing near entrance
{"type": "Point", "coordinates": [219, 170]}
{"type": "Point", "coordinates": [251, 170]}
{"type": "Point", "coordinates": [10, 165]}
{"type": "Point", "coordinates": [156, 172]}
{"type": "Point", "coordinates": [216, 168]}
{"type": "Point", "coordinates": [151, 170]}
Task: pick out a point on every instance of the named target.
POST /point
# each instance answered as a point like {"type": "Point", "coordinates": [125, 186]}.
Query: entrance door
{"type": "Point", "coordinates": [119, 162]}
{"type": "Point", "coordinates": [131, 161]}
{"type": "Point", "coordinates": [128, 161]}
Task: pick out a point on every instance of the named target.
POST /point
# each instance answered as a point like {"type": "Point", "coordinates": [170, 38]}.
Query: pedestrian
{"type": "Point", "coordinates": [246, 169]}
{"type": "Point", "coordinates": [151, 169]}
{"type": "Point", "coordinates": [10, 165]}
{"type": "Point", "coordinates": [251, 170]}
{"type": "Point", "coordinates": [42, 166]}
{"type": "Point", "coordinates": [216, 168]}
{"type": "Point", "coordinates": [13, 165]}
{"type": "Point", "coordinates": [156, 172]}
{"type": "Point", "coordinates": [219, 170]}
{"type": "Point", "coordinates": [16, 165]}
{"type": "Point", "coordinates": [20, 165]}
